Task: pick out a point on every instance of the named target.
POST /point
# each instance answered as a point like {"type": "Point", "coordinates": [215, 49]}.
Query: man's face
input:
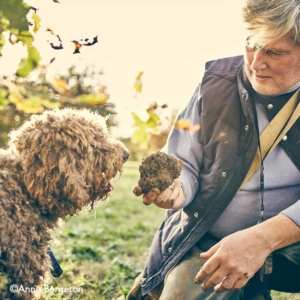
{"type": "Point", "coordinates": [275, 68]}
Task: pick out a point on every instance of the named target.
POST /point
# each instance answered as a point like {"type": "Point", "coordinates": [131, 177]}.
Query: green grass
{"type": "Point", "coordinates": [103, 251]}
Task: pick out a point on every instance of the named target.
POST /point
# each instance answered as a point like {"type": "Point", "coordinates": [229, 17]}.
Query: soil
{"type": "Point", "coordinates": [157, 171]}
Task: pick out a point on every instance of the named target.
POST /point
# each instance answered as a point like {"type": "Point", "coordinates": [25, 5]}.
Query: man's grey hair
{"type": "Point", "coordinates": [268, 20]}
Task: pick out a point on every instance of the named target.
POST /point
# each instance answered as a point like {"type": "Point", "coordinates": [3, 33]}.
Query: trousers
{"type": "Point", "coordinates": [179, 284]}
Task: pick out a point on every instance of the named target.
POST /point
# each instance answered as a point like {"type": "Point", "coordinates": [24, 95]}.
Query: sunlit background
{"type": "Point", "coordinates": [168, 40]}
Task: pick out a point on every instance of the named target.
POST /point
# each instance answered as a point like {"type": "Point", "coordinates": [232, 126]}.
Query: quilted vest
{"type": "Point", "coordinates": [229, 141]}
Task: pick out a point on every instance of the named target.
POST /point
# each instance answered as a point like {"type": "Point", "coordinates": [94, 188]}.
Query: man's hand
{"type": "Point", "coordinates": [233, 261]}
{"type": "Point", "coordinates": [237, 257]}
{"type": "Point", "coordinates": [172, 197]}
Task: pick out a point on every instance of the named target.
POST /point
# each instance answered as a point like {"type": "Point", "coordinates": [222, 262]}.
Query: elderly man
{"type": "Point", "coordinates": [247, 235]}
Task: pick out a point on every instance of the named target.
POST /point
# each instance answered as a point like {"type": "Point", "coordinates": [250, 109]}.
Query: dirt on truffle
{"type": "Point", "coordinates": [157, 171]}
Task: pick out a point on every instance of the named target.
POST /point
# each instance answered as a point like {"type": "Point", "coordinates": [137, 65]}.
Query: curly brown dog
{"type": "Point", "coordinates": [56, 164]}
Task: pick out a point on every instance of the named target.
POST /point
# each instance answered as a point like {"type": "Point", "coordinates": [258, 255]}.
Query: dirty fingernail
{"type": "Point", "coordinates": [152, 196]}
{"type": "Point", "coordinates": [202, 288]}
{"type": "Point", "coordinates": [197, 280]}
{"type": "Point", "coordinates": [146, 201]}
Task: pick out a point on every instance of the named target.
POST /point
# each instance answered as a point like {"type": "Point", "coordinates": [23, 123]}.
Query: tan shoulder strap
{"type": "Point", "coordinates": [275, 131]}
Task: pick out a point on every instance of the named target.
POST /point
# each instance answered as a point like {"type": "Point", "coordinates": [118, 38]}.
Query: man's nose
{"type": "Point", "coordinates": [258, 60]}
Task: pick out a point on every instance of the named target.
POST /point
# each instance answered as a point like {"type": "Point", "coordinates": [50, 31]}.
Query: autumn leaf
{"type": "Point", "coordinates": [3, 99]}
{"type": "Point", "coordinates": [30, 63]}
{"type": "Point", "coordinates": [59, 47]}
{"type": "Point", "coordinates": [138, 122]}
{"type": "Point", "coordinates": [103, 94]}
{"type": "Point", "coordinates": [142, 135]}
{"type": "Point", "coordinates": [102, 89]}
{"type": "Point", "coordinates": [153, 120]}
{"type": "Point", "coordinates": [29, 106]}
{"type": "Point", "coordinates": [93, 99]}
{"type": "Point", "coordinates": [51, 61]}
{"type": "Point", "coordinates": [60, 85]}
{"type": "Point", "coordinates": [99, 98]}
{"type": "Point", "coordinates": [138, 85]}
{"type": "Point", "coordinates": [37, 22]}
{"type": "Point", "coordinates": [93, 42]}
{"type": "Point", "coordinates": [185, 125]}
{"type": "Point", "coordinates": [25, 37]}
{"type": "Point", "coordinates": [152, 106]}
{"type": "Point", "coordinates": [50, 30]}
{"type": "Point", "coordinates": [77, 46]}
{"type": "Point", "coordinates": [50, 104]}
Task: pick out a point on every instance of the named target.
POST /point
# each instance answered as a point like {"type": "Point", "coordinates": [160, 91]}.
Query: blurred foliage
{"type": "Point", "coordinates": [155, 126]}
{"type": "Point", "coordinates": [143, 132]}
{"type": "Point", "coordinates": [21, 98]}
{"type": "Point", "coordinates": [154, 139]}
{"type": "Point", "coordinates": [13, 21]}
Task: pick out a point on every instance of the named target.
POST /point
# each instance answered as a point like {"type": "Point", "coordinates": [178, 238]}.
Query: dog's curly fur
{"type": "Point", "coordinates": [56, 164]}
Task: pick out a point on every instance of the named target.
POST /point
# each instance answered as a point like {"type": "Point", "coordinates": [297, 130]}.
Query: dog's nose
{"type": "Point", "coordinates": [125, 156]}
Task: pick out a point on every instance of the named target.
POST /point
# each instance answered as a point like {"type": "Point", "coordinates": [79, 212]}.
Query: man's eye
{"type": "Point", "coordinates": [273, 53]}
